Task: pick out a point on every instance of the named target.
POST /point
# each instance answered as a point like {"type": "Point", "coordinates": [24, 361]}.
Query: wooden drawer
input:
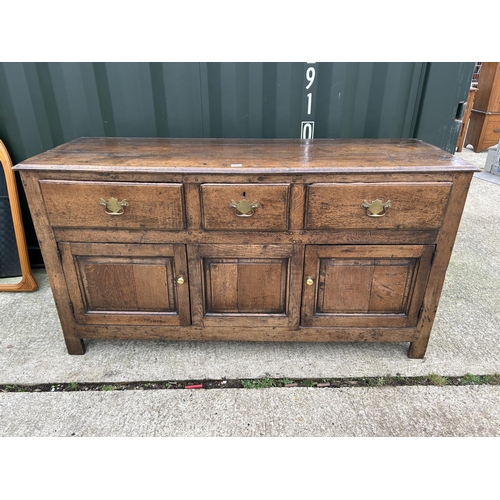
{"type": "Point", "coordinates": [419, 205]}
{"type": "Point", "coordinates": [492, 129]}
{"type": "Point", "coordinates": [222, 208]}
{"type": "Point", "coordinates": [149, 206]}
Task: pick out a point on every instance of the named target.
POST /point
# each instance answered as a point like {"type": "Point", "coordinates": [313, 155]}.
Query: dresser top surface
{"type": "Point", "coordinates": [246, 155]}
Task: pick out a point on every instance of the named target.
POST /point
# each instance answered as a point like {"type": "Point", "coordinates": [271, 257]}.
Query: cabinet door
{"type": "Point", "coordinates": [118, 284]}
{"type": "Point", "coordinates": [364, 286]}
{"type": "Point", "coordinates": [246, 285]}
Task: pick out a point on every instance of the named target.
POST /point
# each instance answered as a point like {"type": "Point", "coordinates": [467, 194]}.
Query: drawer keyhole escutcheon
{"type": "Point", "coordinates": [376, 208]}
{"type": "Point", "coordinates": [113, 206]}
{"type": "Point", "coordinates": [244, 208]}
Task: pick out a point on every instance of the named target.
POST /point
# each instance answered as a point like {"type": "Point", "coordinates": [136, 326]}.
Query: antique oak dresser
{"type": "Point", "coordinates": [246, 239]}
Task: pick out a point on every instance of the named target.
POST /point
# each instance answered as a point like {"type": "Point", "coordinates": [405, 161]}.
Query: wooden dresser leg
{"type": "Point", "coordinates": [75, 346]}
{"type": "Point", "coordinates": [445, 243]}
{"type": "Point", "coordinates": [417, 349]}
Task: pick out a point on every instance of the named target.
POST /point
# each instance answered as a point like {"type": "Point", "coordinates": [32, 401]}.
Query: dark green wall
{"type": "Point", "coordinates": [43, 105]}
{"type": "Point", "coordinates": [445, 85]}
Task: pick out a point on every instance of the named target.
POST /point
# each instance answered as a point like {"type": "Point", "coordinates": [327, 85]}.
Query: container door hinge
{"type": "Point", "coordinates": [59, 258]}
{"type": "Point", "coordinates": [72, 309]}
{"type": "Point", "coordinates": [459, 115]}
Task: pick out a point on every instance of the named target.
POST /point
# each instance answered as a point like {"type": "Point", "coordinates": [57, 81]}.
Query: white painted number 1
{"type": "Point", "coordinates": [309, 102]}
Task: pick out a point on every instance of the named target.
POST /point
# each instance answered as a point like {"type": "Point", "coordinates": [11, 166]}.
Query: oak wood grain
{"type": "Point", "coordinates": [126, 284]}
{"type": "Point", "coordinates": [413, 205]}
{"type": "Point", "coordinates": [219, 155]}
{"type": "Point", "coordinates": [52, 262]}
{"type": "Point", "coordinates": [193, 206]}
{"type": "Point", "coordinates": [261, 331]}
{"type": "Point", "coordinates": [364, 285]}
{"type": "Point", "coordinates": [244, 285]}
{"type": "Point", "coordinates": [77, 204]}
{"type": "Point", "coordinates": [264, 177]}
{"type": "Point", "coordinates": [271, 213]}
{"type": "Point", "coordinates": [297, 206]}
{"type": "Point", "coordinates": [355, 236]}
{"type": "Point", "coordinates": [440, 263]}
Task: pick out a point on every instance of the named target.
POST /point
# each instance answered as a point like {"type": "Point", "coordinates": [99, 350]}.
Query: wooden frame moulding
{"type": "Point", "coordinates": [28, 282]}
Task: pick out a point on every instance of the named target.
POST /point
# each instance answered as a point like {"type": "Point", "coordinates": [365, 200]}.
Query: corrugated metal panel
{"type": "Point", "coordinates": [45, 104]}
{"type": "Point", "coordinates": [367, 99]}
{"type": "Point", "coordinates": [438, 118]}
{"type": "Point", "coordinates": [349, 99]}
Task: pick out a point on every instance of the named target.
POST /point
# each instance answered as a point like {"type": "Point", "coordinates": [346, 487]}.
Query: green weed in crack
{"type": "Point", "coordinates": [398, 380]}
{"type": "Point", "coordinates": [435, 379]}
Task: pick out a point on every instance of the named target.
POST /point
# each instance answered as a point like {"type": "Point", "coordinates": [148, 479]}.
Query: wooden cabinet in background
{"type": "Point", "coordinates": [466, 118]}
{"type": "Point", "coordinates": [246, 239]}
{"type": "Point", "coordinates": [484, 124]}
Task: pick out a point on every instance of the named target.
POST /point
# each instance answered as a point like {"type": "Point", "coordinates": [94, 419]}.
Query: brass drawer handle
{"type": "Point", "coordinates": [376, 208]}
{"type": "Point", "coordinates": [180, 280]}
{"type": "Point", "coordinates": [113, 206]}
{"type": "Point", "coordinates": [244, 208]}
{"type": "Point", "coordinates": [309, 281]}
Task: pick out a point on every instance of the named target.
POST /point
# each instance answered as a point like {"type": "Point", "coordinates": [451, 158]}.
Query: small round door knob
{"type": "Point", "coordinates": [180, 280]}
{"type": "Point", "coordinates": [309, 281]}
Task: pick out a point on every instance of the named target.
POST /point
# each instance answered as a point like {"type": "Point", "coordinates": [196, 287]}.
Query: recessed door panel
{"type": "Point", "coordinates": [364, 286]}
{"type": "Point", "coordinates": [248, 286]}
{"type": "Point", "coordinates": [375, 285]}
{"type": "Point", "coordinates": [251, 286]}
{"type": "Point", "coordinates": [127, 284]}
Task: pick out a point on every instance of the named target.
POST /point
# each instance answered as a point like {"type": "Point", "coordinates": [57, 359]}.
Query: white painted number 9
{"type": "Point", "coordinates": [310, 76]}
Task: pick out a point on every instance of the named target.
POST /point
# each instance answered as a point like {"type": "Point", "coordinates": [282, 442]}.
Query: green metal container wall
{"type": "Point", "coordinates": [43, 104]}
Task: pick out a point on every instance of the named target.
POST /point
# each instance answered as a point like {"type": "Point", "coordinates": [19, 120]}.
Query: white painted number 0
{"type": "Point", "coordinates": [307, 131]}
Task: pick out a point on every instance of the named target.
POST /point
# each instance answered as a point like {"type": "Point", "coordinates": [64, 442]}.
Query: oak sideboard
{"type": "Point", "coordinates": [246, 239]}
